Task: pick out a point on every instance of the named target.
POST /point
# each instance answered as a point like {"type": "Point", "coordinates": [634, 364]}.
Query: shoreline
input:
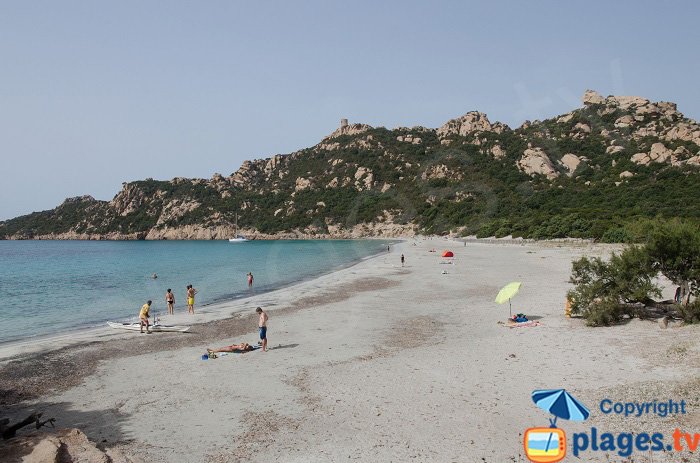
{"type": "Point", "coordinates": [206, 313]}
{"type": "Point", "coordinates": [223, 233]}
{"type": "Point", "coordinates": [96, 328]}
{"type": "Point", "coordinates": [349, 351]}
{"type": "Point", "coordinates": [218, 320]}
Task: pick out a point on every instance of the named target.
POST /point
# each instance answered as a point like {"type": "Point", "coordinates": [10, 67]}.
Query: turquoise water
{"type": "Point", "coordinates": [54, 286]}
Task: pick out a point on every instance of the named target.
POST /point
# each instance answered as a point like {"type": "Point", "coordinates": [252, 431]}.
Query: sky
{"type": "Point", "coordinates": [93, 94]}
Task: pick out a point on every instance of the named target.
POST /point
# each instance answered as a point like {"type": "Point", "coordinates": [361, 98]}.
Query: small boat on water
{"type": "Point", "coordinates": [236, 237]}
{"type": "Point", "coordinates": [157, 327]}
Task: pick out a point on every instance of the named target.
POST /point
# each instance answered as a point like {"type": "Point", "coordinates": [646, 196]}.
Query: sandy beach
{"type": "Point", "coordinates": [376, 362]}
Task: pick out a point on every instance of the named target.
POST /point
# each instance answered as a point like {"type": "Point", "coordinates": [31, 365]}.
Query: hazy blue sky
{"type": "Point", "coordinates": [94, 93]}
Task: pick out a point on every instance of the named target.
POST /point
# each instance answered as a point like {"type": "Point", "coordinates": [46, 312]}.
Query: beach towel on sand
{"type": "Point", "coordinates": [523, 324]}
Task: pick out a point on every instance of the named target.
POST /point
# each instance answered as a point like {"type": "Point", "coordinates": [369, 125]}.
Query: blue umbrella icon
{"type": "Point", "coordinates": [561, 404]}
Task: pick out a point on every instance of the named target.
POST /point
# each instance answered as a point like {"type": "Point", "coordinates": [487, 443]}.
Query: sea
{"type": "Point", "coordinates": [52, 287]}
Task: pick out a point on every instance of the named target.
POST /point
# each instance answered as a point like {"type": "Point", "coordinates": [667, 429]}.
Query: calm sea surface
{"type": "Point", "coordinates": [49, 287]}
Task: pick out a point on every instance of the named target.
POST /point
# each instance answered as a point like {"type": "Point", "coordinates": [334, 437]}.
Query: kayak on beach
{"type": "Point", "coordinates": [157, 327]}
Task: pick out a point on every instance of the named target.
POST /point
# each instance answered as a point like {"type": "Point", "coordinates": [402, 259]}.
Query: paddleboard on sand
{"type": "Point", "coordinates": [157, 328]}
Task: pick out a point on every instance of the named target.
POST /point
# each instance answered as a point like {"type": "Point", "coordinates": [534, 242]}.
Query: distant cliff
{"type": "Point", "coordinates": [587, 173]}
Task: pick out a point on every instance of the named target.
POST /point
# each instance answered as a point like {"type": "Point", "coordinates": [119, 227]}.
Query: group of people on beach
{"type": "Point", "coordinates": [144, 316]}
{"type": "Point", "coordinates": [403, 258]}
{"type": "Point", "coordinates": [170, 300]}
{"type": "Point", "coordinates": [144, 313]}
{"type": "Point", "coordinates": [244, 346]}
{"type": "Point", "coordinates": [191, 291]}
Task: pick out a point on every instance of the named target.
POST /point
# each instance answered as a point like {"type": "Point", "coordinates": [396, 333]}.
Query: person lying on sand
{"type": "Point", "coordinates": [243, 347]}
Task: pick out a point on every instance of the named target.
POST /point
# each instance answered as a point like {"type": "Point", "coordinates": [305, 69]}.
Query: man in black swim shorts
{"type": "Point", "coordinates": [262, 326]}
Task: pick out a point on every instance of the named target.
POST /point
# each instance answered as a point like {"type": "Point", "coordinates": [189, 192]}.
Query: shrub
{"type": "Point", "coordinates": [675, 248]}
{"type": "Point", "coordinates": [602, 288]}
{"type": "Point", "coordinates": [616, 235]}
{"type": "Point", "coordinates": [690, 313]}
{"type": "Point", "coordinates": [606, 291]}
{"type": "Point", "coordinates": [604, 312]}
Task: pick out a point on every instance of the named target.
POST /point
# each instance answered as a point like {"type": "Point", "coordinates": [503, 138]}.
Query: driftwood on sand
{"type": "Point", "coordinates": [9, 431]}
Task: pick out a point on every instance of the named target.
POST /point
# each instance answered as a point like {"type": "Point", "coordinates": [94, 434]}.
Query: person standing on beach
{"type": "Point", "coordinates": [402, 260]}
{"type": "Point", "coordinates": [190, 299]}
{"type": "Point", "coordinates": [143, 317]}
{"type": "Point", "coordinates": [262, 326]}
{"type": "Point", "coordinates": [250, 279]}
{"type": "Point", "coordinates": [170, 300]}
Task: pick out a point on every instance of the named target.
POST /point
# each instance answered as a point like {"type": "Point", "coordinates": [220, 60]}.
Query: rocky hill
{"type": "Point", "coordinates": [589, 173]}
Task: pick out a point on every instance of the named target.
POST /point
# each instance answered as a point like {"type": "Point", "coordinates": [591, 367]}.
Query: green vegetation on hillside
{"type": "Point", "coordinates": [447, 184]}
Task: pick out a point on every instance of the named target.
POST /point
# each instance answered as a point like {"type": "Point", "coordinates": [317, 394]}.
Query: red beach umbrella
{"type": "Point", "coordinates": [448, 254]}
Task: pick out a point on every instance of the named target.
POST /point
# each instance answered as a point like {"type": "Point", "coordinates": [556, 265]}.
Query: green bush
{"type": "Point", "coordinates": [690, 313]}
{"type": "Point", "coordinates": [617, 235]}
{"type": "Point", "coordinates": [604, 312]}
{"type": "Point", "coordinates": [602, 289]}
{"type": "Point", "coordinates": [674, 246]}
{"type": "Point", "coordinates": [606, 291]}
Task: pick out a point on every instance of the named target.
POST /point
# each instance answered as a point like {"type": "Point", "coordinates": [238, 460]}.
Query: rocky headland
{"type": "Point", "coordinates": [364, 181]}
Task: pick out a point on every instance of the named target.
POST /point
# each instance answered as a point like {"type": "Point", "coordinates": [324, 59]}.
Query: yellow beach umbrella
{"type": "Point", "coordinates": [507, 292]}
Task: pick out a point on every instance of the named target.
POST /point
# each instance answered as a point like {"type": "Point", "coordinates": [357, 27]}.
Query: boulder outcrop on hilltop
{"type": "Point", "coordinates": [640, 120]}
{"type": "Point", "coordinates": [470, 123]}
{"type": "Point", "coordinates": [348, 129]}
{"type": "Point", "coordinates": [592, 97]}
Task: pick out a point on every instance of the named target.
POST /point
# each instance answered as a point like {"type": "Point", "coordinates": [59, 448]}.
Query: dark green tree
{"type": "Point", "coordinates": [674, 247]}
{"type": "Point", "coordinates": [606, 291]}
